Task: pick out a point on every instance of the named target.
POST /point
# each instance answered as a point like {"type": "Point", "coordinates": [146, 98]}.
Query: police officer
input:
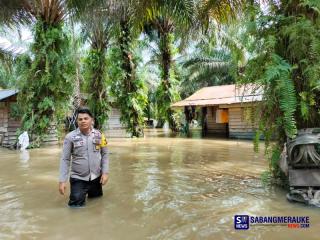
{"type": "Point", "coordinates": [86, 150]}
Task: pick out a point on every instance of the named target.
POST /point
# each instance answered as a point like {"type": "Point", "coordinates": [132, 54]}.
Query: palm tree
{"type": "Point", "coordinates": [129, 89]}
{"type": "Point", "coordinates": [46, 86]}
{"type": "Point", "coordinates": [219, 57]}
{"type": "Point", "coordinates": [98, 29]}
{"type": "Point", "coordinates": [12, 46]}
{"type": "Point", "coordinates": [166, 20]}
{"type": "Point", "coordinates": [203, 69]}
{"type": "Point", "coordinates": [117, 22]}
{"type": "Point", "coordinates": [181, 20]}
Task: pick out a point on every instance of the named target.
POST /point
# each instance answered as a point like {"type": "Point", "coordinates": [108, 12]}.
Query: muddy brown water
{"type": "Point", "coordinates": [159, 188]}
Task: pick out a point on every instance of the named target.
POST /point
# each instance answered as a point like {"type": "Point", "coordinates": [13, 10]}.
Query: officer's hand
{"type": "Point", "coordinates": [104, 178]}
{"type": "Point", "coordinates": [62, 187]}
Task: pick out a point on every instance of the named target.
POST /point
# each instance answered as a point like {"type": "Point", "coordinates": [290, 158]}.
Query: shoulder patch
{"type": "Point", "coordinates": [103, 140]}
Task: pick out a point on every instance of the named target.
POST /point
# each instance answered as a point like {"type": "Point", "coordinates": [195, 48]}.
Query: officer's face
{"type": "Point", "coordinates": [84, 121]}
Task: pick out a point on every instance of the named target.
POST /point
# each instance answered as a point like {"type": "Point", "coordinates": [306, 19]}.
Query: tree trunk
{"type": "Point", "coordinates": [129, 69]}
{"type": "Point", "coordinates": [166, 64]}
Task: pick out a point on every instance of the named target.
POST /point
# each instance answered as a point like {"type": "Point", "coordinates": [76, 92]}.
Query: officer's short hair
{"type": "Point", "coordinates": [84, 110]}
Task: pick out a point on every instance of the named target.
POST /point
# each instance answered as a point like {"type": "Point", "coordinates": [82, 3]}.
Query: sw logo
{"type": "Point", "coordinates": [241, 222]}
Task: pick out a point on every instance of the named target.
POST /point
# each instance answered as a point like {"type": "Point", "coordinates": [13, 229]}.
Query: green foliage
{"type": "Point", "coordinates": [7, 79]}
{"type": "Point", "coordinates": [206, 68]}
{"type": "Point", "coordinates": [274, 160]}
{"type": "Point", "coordinates": [166, 94]}
{"type": "Point", "coordinates": [96, 85]}
{"type": "Point", "coordinates": [266, 178]}
{"type": "Point", "coordinates": [149, 75]}
{"type": "Point", "coordinates": [285, 64]}
{"type": "Point", "coordinates": [279, 85]}
{"type": "Point", "coordinates": [129, 92]}
{"type": "Point", "coordinates": [15, 111]}
{"type": "Point", "coordinates": [169, 20]}
{"type": "Point", "coordinates": [46, 85]}
{"type": "Point", "coordinates": [11, 70]}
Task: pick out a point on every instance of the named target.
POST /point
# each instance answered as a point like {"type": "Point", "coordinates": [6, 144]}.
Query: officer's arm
{"type": "Point", "coordinates": [104, 165]}
{"type": "Point", "coordinates": [104, 155]}
{"type": "Point", "coordinates": [65, 160]}
{"type": "Point", "coordinates": [104, 160]}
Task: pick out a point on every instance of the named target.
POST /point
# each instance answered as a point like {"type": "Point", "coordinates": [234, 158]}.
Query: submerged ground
{"type": "Point", "coordinates": [160, 188]}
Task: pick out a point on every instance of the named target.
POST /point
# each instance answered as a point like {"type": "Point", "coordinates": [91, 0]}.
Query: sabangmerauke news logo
{"type": "Point", "coordinates": [242, 222]}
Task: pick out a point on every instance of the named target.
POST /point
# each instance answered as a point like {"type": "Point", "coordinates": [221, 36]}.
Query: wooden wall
{"type": "Point", "coordinates": [8, 126]}
{"type": "Point", "coordinates": [114, 127]}
{"type": "Point", "coordinates": [3, 121]}
{"type": "Point", "coordinates": [213, 127]}
{"type": "Point", "coordinates": [240, 124]}
{"type": "Point", "coordinates": [11, 136]}
{"type": "Point", "coordinates": [52, 137]}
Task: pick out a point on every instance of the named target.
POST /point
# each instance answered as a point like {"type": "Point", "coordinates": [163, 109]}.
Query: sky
{"type": "Point", "coordinates": [11, 40]}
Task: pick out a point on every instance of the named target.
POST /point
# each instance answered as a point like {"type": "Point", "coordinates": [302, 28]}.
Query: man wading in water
{"type": "Point", "coordinates": [86, 149]}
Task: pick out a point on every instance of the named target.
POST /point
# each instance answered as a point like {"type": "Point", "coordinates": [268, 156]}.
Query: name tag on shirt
{"type": "Point", "coordinates": [78, 143]}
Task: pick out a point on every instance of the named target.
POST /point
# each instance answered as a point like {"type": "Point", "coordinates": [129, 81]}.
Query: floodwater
{"type": "Point", "coordinates": [159, 188]}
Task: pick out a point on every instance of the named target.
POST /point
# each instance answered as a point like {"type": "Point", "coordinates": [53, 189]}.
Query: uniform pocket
{"type": "Point", "coordinates": [96, 143]}
{"type": "Point", "coordinates": [96, 147]}
{"type": "Point", "coordinates": [78, 146]}
{"type": "Point", "coordinates": [78, 143]}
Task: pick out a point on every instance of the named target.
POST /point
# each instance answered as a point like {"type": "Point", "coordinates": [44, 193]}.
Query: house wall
{"type": "Point", "coordinates": [214, 127]}
{"type": "Point", "coordinates": [11, 136]}
{"type": "Point", "coordinates": [52, 136]}
{"type": "Point", "coordinates": [241, 125]}
{"type": "Point", "coordinates": [8, 126]}
{"type": "Point", "coordinates": [3, 121]}
{"type": "Point", "coordinates": [114, 127]}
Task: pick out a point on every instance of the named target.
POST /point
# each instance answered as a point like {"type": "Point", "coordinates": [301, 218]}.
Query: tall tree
{"type": "Point", "coordinates": [166, 19]}
{"type": "Point", "coordinates": [128, 89]}
{"type": "Point", "coordinates": [47, 84]}
{"type": "Point", "coordinates": [286, 64]}
{"type": "Point", "coordinates": [203, 69]}
{"type": "Point", "coordinates": [98, 31]}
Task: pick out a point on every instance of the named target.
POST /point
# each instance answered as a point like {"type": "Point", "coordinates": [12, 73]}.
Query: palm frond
{"type": "Point", "coordinates": [6, 56]}
{"type": "Point", "coordinates": [14, 12]}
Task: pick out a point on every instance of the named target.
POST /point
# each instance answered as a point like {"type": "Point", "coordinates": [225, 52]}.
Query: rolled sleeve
{"type": "Point", "coordinates": [65, 160]}
{"type": "Point", "coordinates": [104, 160]}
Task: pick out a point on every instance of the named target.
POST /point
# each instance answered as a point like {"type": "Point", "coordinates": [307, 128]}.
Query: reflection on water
{"type": "Point", "coordinates": [159, 188]}
{"type": "Point", "coordinates": [24, 158]}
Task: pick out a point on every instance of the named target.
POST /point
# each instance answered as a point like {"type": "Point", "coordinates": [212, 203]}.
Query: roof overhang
{"type": "Point", "coordinates": [7, 93]}
{"type": "Point", "coordinates": [225, 94]}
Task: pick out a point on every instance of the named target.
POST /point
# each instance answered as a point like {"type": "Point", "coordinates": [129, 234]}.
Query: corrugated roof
{"type": "Point", "coordinates": [225, 94]}
{"type": "Point", "coordinates": [6, 93]}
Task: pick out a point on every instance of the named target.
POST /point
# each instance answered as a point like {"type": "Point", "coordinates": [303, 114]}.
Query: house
{"type": "Point", "coordinates": [226, 110]}
{"type": "Point", "coordinates": [8, 124]}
